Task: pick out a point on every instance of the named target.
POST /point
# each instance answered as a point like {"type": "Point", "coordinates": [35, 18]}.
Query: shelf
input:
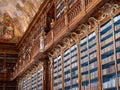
{"type": "Point", "coordinates": [112, 88]}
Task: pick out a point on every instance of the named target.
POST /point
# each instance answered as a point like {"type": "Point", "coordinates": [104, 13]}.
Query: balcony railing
{"type": "Point", "coordinates": [59, 25]}
{"type": "Point", "coordinates": [73, 15]}
{"type": "Point", "coordinates": [74, 11]}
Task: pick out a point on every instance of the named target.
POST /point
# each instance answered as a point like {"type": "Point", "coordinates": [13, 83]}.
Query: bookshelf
{"type": "Point", "coordinates": [34, 77]}
{"type": "Point", "coordinates": [29, 83]}
{"type": "Point", "coordinates": [108, 55]}
{"type": "Point", "coordinates": [66, 68]}
{"type": "Point", "coordinates": [89, 69]}
{"type": "Point", "coordinates": [70, 3]}
{"type": "Point", "coordinates": [117, 42]}
{"type": "Point", "coordinates": [59, 8]}
{"type": "Point", "coordinates": [33, 81]}
{"type": "Point", "coordinates": [74, 67]}
{"type": "Point", "coordinates": [88, 60]}
{"type": "Point", "coordinates": [40, 79]}
{"type": "Point", "coordinates": [58, 73]}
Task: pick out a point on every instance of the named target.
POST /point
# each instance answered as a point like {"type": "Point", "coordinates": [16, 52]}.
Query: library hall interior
{"type": "Point", "coordinates": [59, 44]}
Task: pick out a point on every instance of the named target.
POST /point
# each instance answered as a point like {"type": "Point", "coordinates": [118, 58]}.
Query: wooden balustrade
{"type": "Point", "coordinates": [74, 15]}
{"type": "Point", "coordinates": [59, 25]}
{"type": "Point", "coordinates": [74, 11]}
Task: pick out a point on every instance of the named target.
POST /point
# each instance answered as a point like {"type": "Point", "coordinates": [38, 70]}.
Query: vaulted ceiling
{"type": "Point", "coordinates": [15, 17]}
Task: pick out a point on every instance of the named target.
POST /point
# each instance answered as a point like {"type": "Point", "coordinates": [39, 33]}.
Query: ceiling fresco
{"type": "Point", "coordinates": [15, 17]}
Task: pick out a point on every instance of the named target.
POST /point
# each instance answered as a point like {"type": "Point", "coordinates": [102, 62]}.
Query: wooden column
{"type": "Point", "coordinates": [52, 71]}
{"type": "Point", "coordinates": [70, 66]}
{"type": "Point", "coordinates": [96, 27]}
{"type": "Point", "coordinates": [115, 55]}
{"type": "Point", "coordinates": [79, 63]}
{"type": "Point", "coordinates": [46, 74]}
{"type": "Point", "coordinates": [97, 32]}
{"type": "Point", "coordinates": [89, 76]}
{"type": "Point", "coordinates": [62, 57]}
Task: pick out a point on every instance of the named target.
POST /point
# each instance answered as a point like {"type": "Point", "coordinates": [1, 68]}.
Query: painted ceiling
{"type": "Point", "coordinates": [15, 17]}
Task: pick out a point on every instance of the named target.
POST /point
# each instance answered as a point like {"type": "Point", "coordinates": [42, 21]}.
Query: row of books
{"type": "Point", "coordinates": [84, 53]}
{"type": "Point", "coordinates": [31, 80]}
{"type": "Point", "coordinates": [67, 62]}
{"type": "Point", "coordinates": [57, 62]}
{"type": "Point", "coordinates": [119, 80]}
{"type": "Point", "coordinates": [74, 81]}
{"type": "Point", "coordinates": [86, 87]}
{"type": "Point", "coordinates": [117, 27]}
{"type": "Point", "coordinates": [67, 68]}
{"type": "Point", "coordinates": [93, 55]}
{"type": "Point", "coordinates": [92, 35]}
{"type": "Point", "coordinates": [39, 82]}
{"type": "Point", "coordinates": [118, 67]}
{"type": "Point", "coordinates": [83, 47]}
{"type": "Point", "coordinates": [117, 35]}
{"type": "Point", "coordinates": [67, 83]}
{"type": "Point", "coordinates": [73, 47]}
{"type": "Point", "coordinates": [34, 82]}
{"type": "Point", "coordinates": [84, 69]}
{"type": "Point", "coordinates": [58, 87]}
{"type": "Point", "coordinates": [108, 59]}
{"type": "Point", "coordinates": [67, 57]}
{"type": "Point", "coordinates": [74, 58]}
{"type": "Point", "coordinates": [83, 40]}
{"type": "Point", "coordinates": [93, 65]}
{"type": "Point", "coordinates": [57, 68]}
{"type": "Point", "coordinates": [109, 84]}
{"type": "Point", "coordinates": [39, 88]}
{"type": "Point", "coordinates": [92, 86]}
{"type": "Point", "coordinates": [92, 42]}
{"type": "Point", "coordinates": [92, 49]}
{"type": "Point", "coordinates": [73, 52]}
{"type": "Point", "coordinates": [57, 73]}
{"type": "Point", "coordinates": [118, 43]}
{"type": "Point", "coordinates": [58, 80]}
{"type": "Point", "coordinates": [67, 76]}
{"type": "Point", "coordinates": [110, 47]}
{"type": "Point", "coordinates": [106, 34]}
{"type": "Point", "coordinates": [109, 70]}
{"type": "Point", "coordinates": [94, 75]}
{"type": "Point", "coordinates": [106, 26]}
{"type": "Point", "coordinates": [85, 77]}
{"type": "Point", "coordinates": [85, 59]}
{"type": "Point", "coordinates": [106, 41]}
{"type": "Point", "coordinates": [74, 64]}
{"type": "Point", "coordinates": [59, 7]}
